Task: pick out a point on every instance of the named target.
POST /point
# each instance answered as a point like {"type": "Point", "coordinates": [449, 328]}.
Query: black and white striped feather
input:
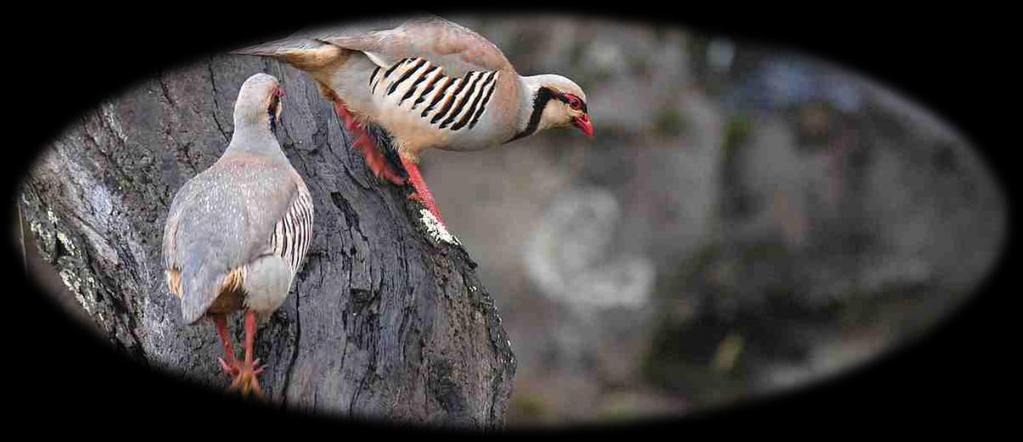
{"type": "Point", "coordinates": [422, 88]}
{"type": "Point", "coordinates": [293, 233]}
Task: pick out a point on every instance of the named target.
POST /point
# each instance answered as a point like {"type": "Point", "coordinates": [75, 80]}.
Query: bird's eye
{"type": "Point", "coordinates": [574, 102]}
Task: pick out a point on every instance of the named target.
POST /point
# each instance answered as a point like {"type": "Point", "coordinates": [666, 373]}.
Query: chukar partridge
{"type": "Point", "coordinates": [430, 83]}
{"type": "Point", "coordinates": [237, 232]}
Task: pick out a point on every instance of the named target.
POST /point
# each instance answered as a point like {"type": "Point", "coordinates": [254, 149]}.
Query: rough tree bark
{"type": "Point", "coordinates": [387, 319]}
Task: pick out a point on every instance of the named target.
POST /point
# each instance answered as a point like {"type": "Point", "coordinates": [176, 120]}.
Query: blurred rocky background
{"type": "Point", "coordinates": [747, 219]}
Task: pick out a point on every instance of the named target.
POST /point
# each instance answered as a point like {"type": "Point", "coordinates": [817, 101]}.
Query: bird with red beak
{"type": "Point", "coordinates": [556, 102]}
{"type": "Point", "coordinates": [430, 84]}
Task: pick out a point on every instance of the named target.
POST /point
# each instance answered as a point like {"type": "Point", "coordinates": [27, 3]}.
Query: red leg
{"type": "Point", "coordinates": [250, 335]}
{"type": "Point", "coordinates": [367, 145]}
{"type": "Point", "coordinates": [249, 369]}
{"type": "Point", "coordinates": [230, 365]}
{"type": "Point", "coordinates": [422, 193]}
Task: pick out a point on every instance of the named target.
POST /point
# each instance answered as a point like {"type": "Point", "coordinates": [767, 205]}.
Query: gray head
{"type": "Point", "coordinates": [259, 103]}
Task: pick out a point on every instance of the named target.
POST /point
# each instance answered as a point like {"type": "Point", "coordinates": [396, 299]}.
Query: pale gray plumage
{"type": "Point", "coordinates": [245, 223]}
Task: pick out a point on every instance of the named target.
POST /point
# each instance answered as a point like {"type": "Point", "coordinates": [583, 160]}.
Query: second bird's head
{"type": "Point", "coordinates": [558, 102]}
{"type": "Point", "coordinates": [259, 102]}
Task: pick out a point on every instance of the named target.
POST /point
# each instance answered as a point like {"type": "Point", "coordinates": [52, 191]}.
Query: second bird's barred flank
{"type": "Point", "coordinates": [412, 89]}
{"type": "Point", "coordinates": [449, 99]}
{"type": "Point", "coordinates": [426, 90]}
{"type": "Point", "coordinates": [408, 73]}
{"type": "Point", "coordinates": [461, 101]}
{"type": "Point", "coordinates": [475, 108]}
{"type": "Point", "coordinates": [454, 103]}
{"type": "Point", "coordinates": [438, 95]}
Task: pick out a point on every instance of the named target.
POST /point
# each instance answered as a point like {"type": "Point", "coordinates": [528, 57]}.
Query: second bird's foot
{"type": "Point", "coordinates": [246, 377]}
{"type": "Point", "coordinates": [367, 144]}
{"type": "Point", "coordinates": [430, 205]}
{"type": "Point", "coordinates": [391, 175]}
{"type": "Point", "coordinates": [376, 161]}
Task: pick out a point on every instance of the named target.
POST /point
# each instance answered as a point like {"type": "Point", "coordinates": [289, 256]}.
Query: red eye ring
{"type": "Point", "coordinates": [573, 101]}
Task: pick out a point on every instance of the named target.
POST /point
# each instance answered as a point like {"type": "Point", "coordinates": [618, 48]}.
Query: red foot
{"type": "Point", "coordinates": [422, 193]}
{"type": "Point", "coordinates": [246, 378]}
{"type": "Point", "coordinates": [367, 145]}
{"type": "Point", "coordinates": [231, 368]}
{"type": "Point", "coordinates": [244, 372]}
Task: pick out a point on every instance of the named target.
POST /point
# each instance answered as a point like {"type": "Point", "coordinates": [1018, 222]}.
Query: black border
{"type": "Point", "coordinates": [63, 59]}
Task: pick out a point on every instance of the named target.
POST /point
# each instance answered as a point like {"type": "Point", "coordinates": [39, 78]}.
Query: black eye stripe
{"type": "Point", "coordinates": [564, 98]}
{"type": "Point", "coordinates": [543, 95]}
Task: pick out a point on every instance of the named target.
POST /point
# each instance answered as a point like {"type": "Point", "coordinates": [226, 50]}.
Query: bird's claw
{"type": "Point", "coordinates": [378, 165]}
{"type": "Point", "coordinates": [415, 196]}
{"type": "Point", "coordinates": [387, 173]}
{"type": "Point", "coordinates": [231, 369]}
{"type": "Point", "coordinates": [246, 379]}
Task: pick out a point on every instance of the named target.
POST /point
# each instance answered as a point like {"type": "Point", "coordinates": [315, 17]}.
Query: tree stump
{"type": "Point", "coordinates": [387, 318]}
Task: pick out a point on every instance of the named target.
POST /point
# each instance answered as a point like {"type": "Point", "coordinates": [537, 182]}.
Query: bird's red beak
{"type": "Point", "coordinates": [584, 124]}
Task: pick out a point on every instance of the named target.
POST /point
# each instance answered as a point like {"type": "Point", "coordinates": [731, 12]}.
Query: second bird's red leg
{"type": "Point", "coordinates": [367, 145]}
{"type": "Point", "coordinates": [422, 193]}
{"type": "Point", "coordinates": [379, 164]}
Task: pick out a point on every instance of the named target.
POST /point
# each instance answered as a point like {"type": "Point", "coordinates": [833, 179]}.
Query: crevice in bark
{"type": "Point", "coordinates": [216, 103]}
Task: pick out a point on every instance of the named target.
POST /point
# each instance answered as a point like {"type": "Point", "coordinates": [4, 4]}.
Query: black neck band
{"type": "Point", "coordinates": [543, 95]}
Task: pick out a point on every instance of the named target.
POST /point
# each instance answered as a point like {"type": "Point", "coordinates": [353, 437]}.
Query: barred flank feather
{"type": "Point", "coordinates": [293, 233]}
{"type": "Point", "coordinates": [455, 103]}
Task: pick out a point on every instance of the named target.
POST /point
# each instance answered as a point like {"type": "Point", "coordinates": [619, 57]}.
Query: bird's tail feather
{"type": "Point", "coordinates": [199, 288]}
{"type": "Point", "coordinates": [269, 49]}
{"type": "Point", "coordinates": [305, 54]}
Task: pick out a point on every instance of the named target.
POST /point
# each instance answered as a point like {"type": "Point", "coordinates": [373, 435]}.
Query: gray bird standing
{"type": "Point", "coordinates": [237, 233]}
